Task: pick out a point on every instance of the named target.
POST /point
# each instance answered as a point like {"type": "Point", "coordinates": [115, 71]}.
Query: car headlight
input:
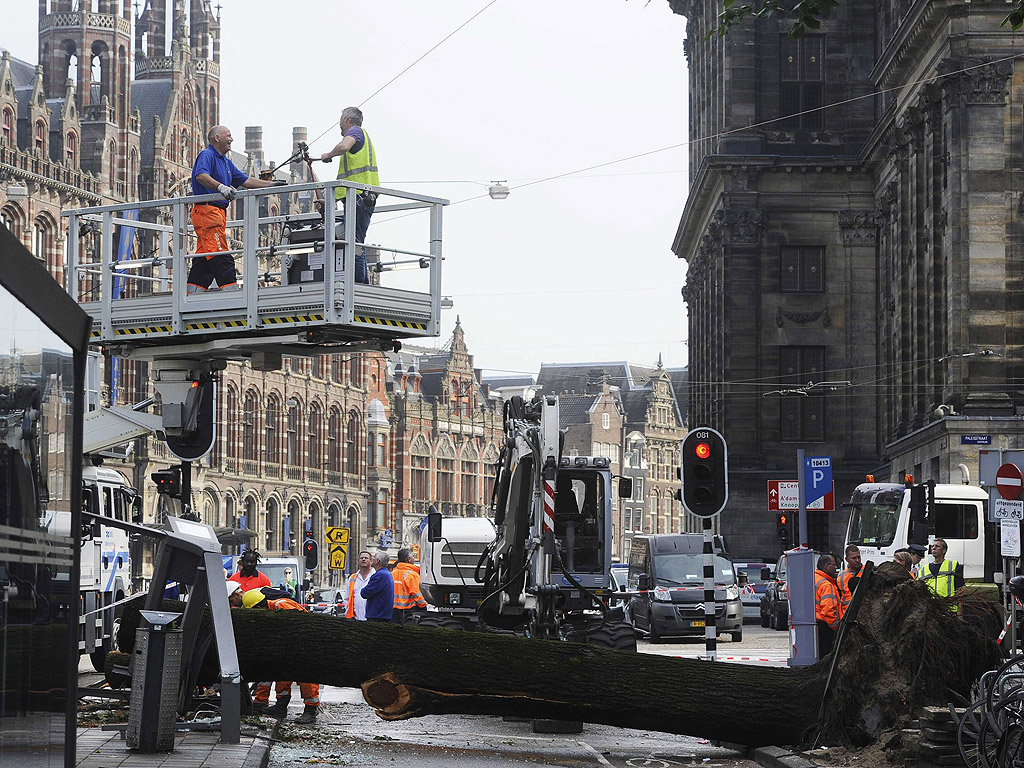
{"type": "Point", "coordinates": [663, 594]}
{"type": "Point", "coordinates": [732, 593]}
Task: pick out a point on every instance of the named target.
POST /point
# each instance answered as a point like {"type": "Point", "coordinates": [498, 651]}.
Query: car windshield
{"type": "Point", "coordinates": [322, 596]}
{"type": "Point", "coordinates": [688, 570]}
{"type": "Point", "coordinates": [753, 573]}
{"type": "Point", "coordinates": [873, 524]}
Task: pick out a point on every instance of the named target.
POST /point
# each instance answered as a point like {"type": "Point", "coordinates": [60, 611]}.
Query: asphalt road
{"type": "Point", "coordinates": [348, 733]}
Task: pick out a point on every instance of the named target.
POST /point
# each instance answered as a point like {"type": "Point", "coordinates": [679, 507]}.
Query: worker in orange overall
{"type": "Point", "coordinates": [255, 598]}
{"type": "Point", "coordinates": [828, 608]}
{"type": "Point", "coordinates": [845, 580]}
{"type": "Point", "coordinates": [408, 597]}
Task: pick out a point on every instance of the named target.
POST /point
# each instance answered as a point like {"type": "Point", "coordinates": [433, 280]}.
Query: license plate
{"type": "Point", "coordinates": [696, 623]}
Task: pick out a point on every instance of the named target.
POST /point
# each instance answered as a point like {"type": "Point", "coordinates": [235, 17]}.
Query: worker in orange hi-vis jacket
{"type": "Point", "coordinates": [256, 598]}
{"type": "Point", "coordinates": [408, 598]}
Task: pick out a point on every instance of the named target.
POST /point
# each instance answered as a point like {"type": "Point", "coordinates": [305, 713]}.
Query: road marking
{"type": "Point", "coordinates": [600, 758]}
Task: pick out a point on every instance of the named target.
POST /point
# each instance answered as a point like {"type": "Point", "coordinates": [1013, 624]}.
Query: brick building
{"type": "Point", "coordinates": [875, 242]}
{"type": "Point", "coordinates": [652, 428]}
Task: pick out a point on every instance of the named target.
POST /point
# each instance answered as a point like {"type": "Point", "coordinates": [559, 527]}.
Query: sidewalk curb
{"type": "Point", "coordinates": [259, 756]}
{"type": "Point", "coordinates": [779, 757]}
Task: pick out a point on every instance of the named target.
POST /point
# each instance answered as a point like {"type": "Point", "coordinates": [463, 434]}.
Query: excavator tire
{"type": "Point", "coordinates": [439, 622]}
{"type": "Point", "coordinates": [616, 634]}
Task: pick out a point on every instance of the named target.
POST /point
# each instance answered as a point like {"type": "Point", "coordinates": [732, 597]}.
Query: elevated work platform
{"type": "Point", "coordinates": [296, 293]}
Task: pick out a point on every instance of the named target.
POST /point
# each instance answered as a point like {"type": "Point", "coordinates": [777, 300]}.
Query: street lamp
{"type": "Point", "coordinates": [498, 190]}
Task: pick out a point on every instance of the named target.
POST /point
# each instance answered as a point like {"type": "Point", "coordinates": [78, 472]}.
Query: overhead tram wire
{"type": "Point", "coordinates": [417, 61]}
{"type": "Point", "coordinates": [729, 132]}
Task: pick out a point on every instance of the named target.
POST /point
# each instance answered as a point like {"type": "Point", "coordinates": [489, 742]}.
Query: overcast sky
{"type": "Point", "coordinates": [571, 270]}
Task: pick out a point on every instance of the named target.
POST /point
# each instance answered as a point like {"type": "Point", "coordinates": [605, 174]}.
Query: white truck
{"type": "Point", "coordinates": [448, 571]}
{"type": "Point", "coordinates": [105, 577]}
{"type": "Point", "coordinates": [886, 517]}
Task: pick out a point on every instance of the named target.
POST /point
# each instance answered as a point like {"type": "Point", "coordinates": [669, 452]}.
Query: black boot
{"type": "Point", "coordinates": [259, 707]}
{"type": "Point", "coordinates": [280, 708]}
{"type": "Point", "coordinates": [308, 715]}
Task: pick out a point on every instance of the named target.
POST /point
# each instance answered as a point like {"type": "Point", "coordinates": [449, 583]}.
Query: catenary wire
{"type": "Point", "coordinates": [728, 132]}
{"type": "Point", "coordinates": [417, 61]}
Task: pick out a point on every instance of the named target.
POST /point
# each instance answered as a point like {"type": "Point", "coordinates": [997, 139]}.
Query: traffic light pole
{"type": "Point", "coordinates": [710, 609]}
{"type": "Point", "coordinates": [802, 519]}
{"type": "Point", "coordinates": [186, 491]}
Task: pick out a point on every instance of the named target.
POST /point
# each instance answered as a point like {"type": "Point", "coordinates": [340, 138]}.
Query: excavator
{"type": "Point", "coordinates": [545, 571]}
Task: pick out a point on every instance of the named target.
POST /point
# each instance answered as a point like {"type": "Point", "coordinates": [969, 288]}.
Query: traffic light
{"type": "Point", "coordinates": [311, 551]}
{"type": "Point", "coordinates": [784, 532]}
{"type": "Point", "coordinates": [704, 472]}
{"type": "Point", "coordinates": [168, 482]}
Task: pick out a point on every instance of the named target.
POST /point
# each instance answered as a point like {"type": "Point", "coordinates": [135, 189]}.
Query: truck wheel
{"type": "Point", "coordinates": [99, 657]}
{"type": "Point", "coordinates": [737, 637]}
{"type": "Point", "coordinates": [439, 622]}
{"type": "Point", "coordinates": [764, 619]}
{"type": "Point", "coordinates": [654, 635]}
{"type": "Point", "coordinates": [780, 620]}
{"type": "Point", "coordinates": [617, 635]}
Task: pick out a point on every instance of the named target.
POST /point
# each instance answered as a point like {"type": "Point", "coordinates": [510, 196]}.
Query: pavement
{"type": "Point", "coordinates": [97, 748]}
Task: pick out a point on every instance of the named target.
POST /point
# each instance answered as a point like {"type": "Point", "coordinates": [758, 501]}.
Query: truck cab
{"type": "Point", "coordinates": [882, 521]}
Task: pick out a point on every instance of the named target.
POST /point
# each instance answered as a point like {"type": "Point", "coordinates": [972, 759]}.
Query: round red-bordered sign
{"type": "Point", "coordinates": [1008, 481]}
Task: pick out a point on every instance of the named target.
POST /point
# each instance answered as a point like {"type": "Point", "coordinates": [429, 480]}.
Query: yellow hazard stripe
{"type": "Point", "coordinates": [142, 329]}
{"type": "Point", "coordinates": [95, 334]}
{"type": "Point", "coordinates": [292, 319]}
{"type": "Point", "coordinates": [216, 325]}
{"type": "Point", "coordinates": [391, 323]}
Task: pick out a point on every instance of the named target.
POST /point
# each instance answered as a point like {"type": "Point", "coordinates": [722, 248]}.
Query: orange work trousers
{"type": "Point", "coordinates": [209, 222]}
{"type": "Point", "coordinates": [310, 692]}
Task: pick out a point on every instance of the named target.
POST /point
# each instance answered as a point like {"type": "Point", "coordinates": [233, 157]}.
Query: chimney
{"type": "Point", "coordinates": [254, 145]}
{"type": "Point", "coordinates": [297, 168]}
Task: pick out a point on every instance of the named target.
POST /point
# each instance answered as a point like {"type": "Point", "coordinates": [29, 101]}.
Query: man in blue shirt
{"type": "Point", "coordinates": [213, 171]}
{"type": "Point", "coordinates": [379, 591]}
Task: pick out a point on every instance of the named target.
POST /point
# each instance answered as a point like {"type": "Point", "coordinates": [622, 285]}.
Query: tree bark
{"type": "Point", "coordinates": [408, 671]}
{"type": "Point", "coordinates": [904, 648]}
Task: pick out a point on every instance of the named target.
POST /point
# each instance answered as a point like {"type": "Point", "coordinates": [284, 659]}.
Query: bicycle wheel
{"type": "Point", "coordinates": [1010, 676]}
{"type": "Point", "coordinates": [978, 746]}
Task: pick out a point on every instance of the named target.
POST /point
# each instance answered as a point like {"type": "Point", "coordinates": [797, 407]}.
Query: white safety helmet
{"type": "Point", "coordinates": [233, 586]}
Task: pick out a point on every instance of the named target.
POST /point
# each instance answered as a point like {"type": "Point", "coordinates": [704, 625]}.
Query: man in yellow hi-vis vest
{"type": "Point", "coordinates": [358, 163]}
{"type": "Point", "coordinates": [943, 577]}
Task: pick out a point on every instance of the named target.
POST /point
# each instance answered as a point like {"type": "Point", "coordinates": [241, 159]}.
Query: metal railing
{"type": "Point", "coordinates": [99, 277]}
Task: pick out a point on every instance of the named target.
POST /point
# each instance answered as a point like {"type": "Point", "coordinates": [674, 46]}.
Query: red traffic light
{"type": "Point", "coordinates": [783, 519]}
{"type": "Point", "coordinates": [702, 451]}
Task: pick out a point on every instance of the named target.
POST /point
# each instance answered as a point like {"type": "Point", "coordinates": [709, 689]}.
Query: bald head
{"type": "Point", "coordinates": [220, 138]}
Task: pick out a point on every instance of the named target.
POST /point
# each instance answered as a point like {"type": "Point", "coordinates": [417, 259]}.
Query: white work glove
{"type": "Point", "coordinates": [228, 192]}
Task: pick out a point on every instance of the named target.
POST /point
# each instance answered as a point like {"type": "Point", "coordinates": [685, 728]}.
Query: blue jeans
{"type": "Point", "coordinates": [364, 210]}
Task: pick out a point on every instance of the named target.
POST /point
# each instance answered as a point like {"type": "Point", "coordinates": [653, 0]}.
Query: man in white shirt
{"type": "Point", "coordinates": [356, 602]}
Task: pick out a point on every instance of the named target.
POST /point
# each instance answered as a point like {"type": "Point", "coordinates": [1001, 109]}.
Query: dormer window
{"type": "Point", "coordinates": [40, 137]}
{"type": "Point", "coordinates": [71, 150]}
{"type": "Point", "coordinates": [7, 126]}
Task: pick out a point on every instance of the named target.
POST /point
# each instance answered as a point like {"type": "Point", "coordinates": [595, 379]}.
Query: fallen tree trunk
{"type": "Point", "coordinates": [905, 650]}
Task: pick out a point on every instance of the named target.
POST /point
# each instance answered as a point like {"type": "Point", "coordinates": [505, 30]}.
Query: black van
{"type": "Point", "coordinates": [669, 569]}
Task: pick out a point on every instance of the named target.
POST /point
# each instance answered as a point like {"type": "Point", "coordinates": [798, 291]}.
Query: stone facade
{"type": "Point", "coordinates": [874, 242]}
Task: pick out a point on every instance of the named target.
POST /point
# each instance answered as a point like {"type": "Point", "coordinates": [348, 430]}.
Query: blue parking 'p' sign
{"type": "Point", "coordinates": [817, 478]}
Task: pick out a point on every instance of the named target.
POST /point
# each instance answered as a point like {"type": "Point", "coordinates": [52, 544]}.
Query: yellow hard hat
{"type": "Point", "coordinates": [252, 598]}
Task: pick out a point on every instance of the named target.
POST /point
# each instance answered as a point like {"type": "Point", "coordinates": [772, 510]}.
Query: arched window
{"type": "Point", "coordinates": [71, 150]}
{"type": "Point", "coordinates": [293, 447]}
{"type": "Point", "coordinates": [273, 442]}
{"type": "Point", "coordinates": [356, 370]}
{"type": "Point", "coordinates": [11, 217]}
{"type": "Point", "coordinates": [40, 137]}
{"type": "Point", "coordinates": [231, 424]}
{"type": "Point", "coordinates": [250, 446]}
{"type": "Point", "coordinates": [314, 451]}
{"type": "Point", "coordinates": [352, 443]}
{"type": "Point", "coordinates": [133, 173]}
{"type": "Point", "coordinates": [7, 126]}
{"type": "Point", "coordinates": [273, 524]}
{"type": "Point", "coordinates": [112, 149]}
{"type": "Point", "coordinates": [43, 245]}
{"type": "Point", "coordinates": [334, 440]}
